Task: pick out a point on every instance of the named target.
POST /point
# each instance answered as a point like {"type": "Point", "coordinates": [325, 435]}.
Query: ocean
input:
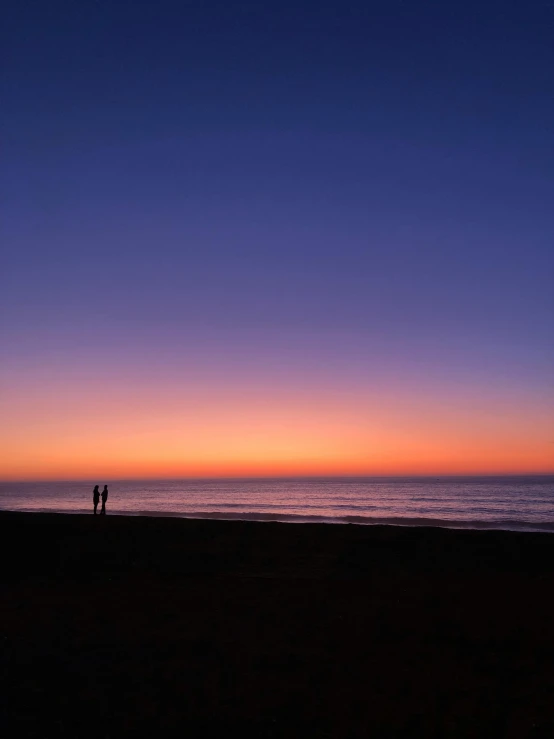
{"type": "Point", "coordinates": [515, 503]}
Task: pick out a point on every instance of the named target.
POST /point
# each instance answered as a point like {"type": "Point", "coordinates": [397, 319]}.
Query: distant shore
{"type": "Point", "coordinates": [172, 626]}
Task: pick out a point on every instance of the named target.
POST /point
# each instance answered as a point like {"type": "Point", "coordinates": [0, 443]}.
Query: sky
{"type": "Point", "coordinates": [276, 238]}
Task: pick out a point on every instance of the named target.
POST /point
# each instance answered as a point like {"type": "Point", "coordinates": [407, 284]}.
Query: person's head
{"type": "Point", "coordinates": [96, 488]}
{"type": "Point", "coordinates": [105, 487]}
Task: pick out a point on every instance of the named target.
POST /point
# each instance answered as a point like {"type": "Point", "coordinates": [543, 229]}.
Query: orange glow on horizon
{"type": "Point", "coordinates": [71, 431]}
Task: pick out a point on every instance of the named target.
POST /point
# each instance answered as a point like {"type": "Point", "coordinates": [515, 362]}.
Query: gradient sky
{"type": "Point", "coordinates": [277, 238]}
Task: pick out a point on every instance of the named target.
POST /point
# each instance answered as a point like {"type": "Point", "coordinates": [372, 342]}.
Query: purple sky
{"type": "Point", "coordinates": [360, 189]}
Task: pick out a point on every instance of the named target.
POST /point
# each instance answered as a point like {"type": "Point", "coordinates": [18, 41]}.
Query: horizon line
{"type": "Point", "coordinates": [191, 478]}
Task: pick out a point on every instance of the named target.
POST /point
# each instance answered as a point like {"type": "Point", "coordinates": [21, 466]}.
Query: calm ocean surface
{"type": "Point", "coordinates": [521, 503]}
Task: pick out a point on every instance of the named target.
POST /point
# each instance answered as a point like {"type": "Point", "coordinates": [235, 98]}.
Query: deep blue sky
{"type": "Point", "coordinates": [297, 179]}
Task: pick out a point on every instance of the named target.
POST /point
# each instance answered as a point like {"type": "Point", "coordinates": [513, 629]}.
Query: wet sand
{"type": "Point", "coordinates": [123, 626]}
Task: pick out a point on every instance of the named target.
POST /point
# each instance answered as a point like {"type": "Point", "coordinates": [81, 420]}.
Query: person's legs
{"type": "Point", "coordinates": [95, 507]}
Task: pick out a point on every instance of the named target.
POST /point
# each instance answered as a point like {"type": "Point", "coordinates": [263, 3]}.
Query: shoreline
{"type": "Point", "coordinates": [404, 522]}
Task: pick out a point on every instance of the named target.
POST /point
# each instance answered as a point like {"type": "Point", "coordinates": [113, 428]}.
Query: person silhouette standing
{"type": "Point", "coordinates": [104, 499]}
{"type": "Point", "coordinates": [95, 498]}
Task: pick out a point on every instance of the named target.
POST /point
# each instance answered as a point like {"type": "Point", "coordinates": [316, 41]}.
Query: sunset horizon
{"type": "Point", "coordinates": [242, 433]}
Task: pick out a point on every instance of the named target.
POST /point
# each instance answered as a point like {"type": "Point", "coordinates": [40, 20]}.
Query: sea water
{"type": "Point", "coordinates": [518, 503]}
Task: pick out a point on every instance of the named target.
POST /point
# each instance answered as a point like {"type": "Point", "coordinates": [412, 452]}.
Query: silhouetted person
{"type": "Point", "coordinates": [104, 499]}
{"type": "Point", "coordinates": [95, 498]}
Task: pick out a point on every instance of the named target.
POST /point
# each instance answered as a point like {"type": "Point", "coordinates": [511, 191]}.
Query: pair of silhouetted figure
{"type": "Point", "coordinates": [96, 498]}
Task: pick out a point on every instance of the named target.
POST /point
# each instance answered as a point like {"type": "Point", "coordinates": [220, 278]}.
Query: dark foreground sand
{"type": "Point", "coordinates": [165, 627]}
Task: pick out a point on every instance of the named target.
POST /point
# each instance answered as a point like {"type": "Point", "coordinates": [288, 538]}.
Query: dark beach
{"type": "Point", "coordinates": [151, 626]}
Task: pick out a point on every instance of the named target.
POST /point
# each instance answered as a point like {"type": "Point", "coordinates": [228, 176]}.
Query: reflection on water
{"type": "Point", "coordinates": [508, 502]}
